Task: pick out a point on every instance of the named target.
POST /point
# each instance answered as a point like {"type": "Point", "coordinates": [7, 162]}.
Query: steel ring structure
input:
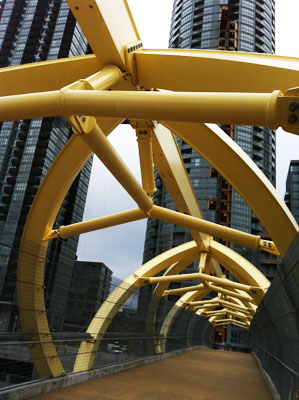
{"type": "Point", "coordinates": [162, 93]}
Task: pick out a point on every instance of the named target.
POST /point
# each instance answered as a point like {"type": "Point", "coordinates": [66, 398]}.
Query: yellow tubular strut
{"type": "Point", "coordinates": [262, 109]}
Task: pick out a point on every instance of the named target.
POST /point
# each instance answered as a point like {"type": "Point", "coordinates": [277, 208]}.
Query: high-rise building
{"type": "Point", "coordinates": [90, 286]}
{"type": "Point", "coordinates": [31, 31]}
{"type": "Point", "coordinates": [229, 25]}
{"type": "Point", "coordinates": [292, 189]}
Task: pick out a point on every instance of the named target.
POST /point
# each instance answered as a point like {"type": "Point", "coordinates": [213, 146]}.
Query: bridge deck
{"type": "Point", "coordinates": [200, 374]}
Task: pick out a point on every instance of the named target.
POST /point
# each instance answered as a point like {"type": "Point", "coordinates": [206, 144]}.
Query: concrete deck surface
{"type": "Point", "coordinates": [200, 374]}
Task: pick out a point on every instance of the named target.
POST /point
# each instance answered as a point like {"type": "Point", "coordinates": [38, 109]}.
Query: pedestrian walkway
{"type": "Point", "coordinates": [197, 375]}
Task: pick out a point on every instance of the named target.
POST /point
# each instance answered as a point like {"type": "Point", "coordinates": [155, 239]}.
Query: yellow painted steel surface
{"type": "Point", "coordinates": [77, 88]}
{"type": "Point", "coordinates": [46, 75]}
{"type": "Point", "coordinates": [243, 174]}
{"type": "Point", "coordinates": [215, 71]}
{"type": "Point", "coordinates": [100, 20]}
{"type": "Point", "coordinates": [266, 109]}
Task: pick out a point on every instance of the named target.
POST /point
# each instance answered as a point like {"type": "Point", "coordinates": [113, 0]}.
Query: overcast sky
{"type": "Point", "coordinates": [121, 248]}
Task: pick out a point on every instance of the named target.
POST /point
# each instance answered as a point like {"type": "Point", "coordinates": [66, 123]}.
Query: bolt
{"type": "Point", "coordinates": [83, 119]}
{"type": "Point", "coordinates": [293, 106]}
{"type": "Point", "coordinates": [292, 119]}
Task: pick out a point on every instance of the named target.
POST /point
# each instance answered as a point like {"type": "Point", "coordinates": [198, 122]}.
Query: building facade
{"type": "Point", "coordinates": [228, 25]}
{"type": "Point", "coordinates": [292, 189]}
{"type": "Point", "coordinates": [90, 286]}
{"type": "Point", "coordinates": [31, 31]}
{"type": "Point", "coordinates": [231, 25]}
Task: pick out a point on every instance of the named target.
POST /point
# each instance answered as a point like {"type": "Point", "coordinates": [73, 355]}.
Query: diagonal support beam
{"type": "Point", "coordinates": [211, 287]}
{"type": "Point", "coordinates": [201, 277]}
{"type": "Point", "coordinates": [144, 139]}
{"type": "Point", "coordinates": [240, 296]}
{"type": "Point", "coordinates": [107, 32]}
{"type": "Point", "coordinates": [220, 231]}
{"type": "Point", "coordinates": [124, 217]}
{"type": "Point", "coordinates": [93, 136]}
{"type": "Point", "coordinates": [172, 170]}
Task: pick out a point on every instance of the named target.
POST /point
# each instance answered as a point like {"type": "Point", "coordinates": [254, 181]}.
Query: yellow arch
{"type": "Point", "coordinates": [242, 173]}
{"type": "Point", "coordinates": [175, 311]}
{"type": "Point", "coordinates": [120, 295]}
{"type": "Point", "coordinates": [198, 71]}
{"type": "Point", "coordinates": [33, 250]}
{"type": "Point", "coordinates": [244, 271]}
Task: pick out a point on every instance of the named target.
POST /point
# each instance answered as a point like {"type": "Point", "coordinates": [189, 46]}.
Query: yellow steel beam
{"type": "Point", "coordinates": [106, 78]}
{"type": "Point", "coordinates": [95, 138]}
{"type": "Point", "coordinates": [175, 311]}
{"type": "Point", "coordinates": [107, 32]}
{"type": "Point", "coordinates": [117, 298]}
{"type": "Point", "coordinates": [265, 109]}
{"type": "Point", "coordinates": [32, 257]}
{"type": "Point", "coordinates": [172, 170]}
{"type": "Point", "coordinates": [240, 268]}
{"type": "Point", "coordinates": [246, 178]}
{"type": "Point", "coordinates": [268, 72]}
{"type": "Point", "coordinates": [249, 305]}
{"type": "Point", "coordinates": [238, 314]}
{"type": "Point", "coordinates": [30, 283]}
{"type": "Point", "coordinates": [47, 75]}
{"type": "Point", "coordinates": [240, 296]}
{"type": "Point", "coordinates": [215, 71]}
{"type": "Point", "coordinates": [212, 288]}
{"type": "Point", "coordinates": [213, 313]}
{"type": "Point", "coordinates": [203, 261]}
{"type": "Point", "coordinates": [153, 345]}
{"type": "Point", "coordinates": [197, 224]}
{"type": "Point", "coordinates": [123, 217]}
{"type": "Point", "coordinates": [235, 108]}
{"type": "Point", "coordinates": [228, 305]}
{"type": "Point", "coordinates": [233, 320]}
{"type": "Point", "coordinates": [233, 306]}
{"type": "Point", "coordinates": [225, 311]}
{"type": "Point", "coordinates": [144, 140]}
{"type": "Point", "coordinates": [204, 302]}
{"type": "Point", "coordinates": [182, 290]}
{"type": "Point", "coordinates": [204, 308]}
{"type": "Point", "coordinates": [199, 276]}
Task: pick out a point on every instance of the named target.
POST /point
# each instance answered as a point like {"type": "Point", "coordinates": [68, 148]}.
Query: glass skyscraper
{"type": "Point", "coordinates": [31, 31]}
{"type": "Point", "coordinates": [230, 25]}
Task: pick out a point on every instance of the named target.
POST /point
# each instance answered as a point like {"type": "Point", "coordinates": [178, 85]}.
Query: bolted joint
{"type": "Point", "coordinates": [269, 247]}
{"type": "Point", "coordinates": [82, 124]}
{"type": "Point", "coordinates": [144, 134]}
{"type": "Point", "coordinates": [54, 234]}
{"type": "Point", "coordinates": [141, 124]}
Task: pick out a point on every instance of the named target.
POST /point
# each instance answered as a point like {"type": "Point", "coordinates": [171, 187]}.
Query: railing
{"type": "Point", "coordinates": [275, 328]}
{"type": "Point", "coordinates": [133, 333]}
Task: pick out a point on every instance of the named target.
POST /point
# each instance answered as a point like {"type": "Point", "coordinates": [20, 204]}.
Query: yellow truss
{"type": "Point", "coordinates": [162, 92]}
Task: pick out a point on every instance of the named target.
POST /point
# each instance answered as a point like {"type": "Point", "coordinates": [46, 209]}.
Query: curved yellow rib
{"type": "Point", "coordinates": [242, 173]}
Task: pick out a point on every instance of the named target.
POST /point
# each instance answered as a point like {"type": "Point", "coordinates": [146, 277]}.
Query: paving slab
{"type": "Point", "coordinates": [202, 374]}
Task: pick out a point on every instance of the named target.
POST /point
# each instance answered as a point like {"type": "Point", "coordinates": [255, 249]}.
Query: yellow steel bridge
{"type": "Point", "coordinates": [162, 93]}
